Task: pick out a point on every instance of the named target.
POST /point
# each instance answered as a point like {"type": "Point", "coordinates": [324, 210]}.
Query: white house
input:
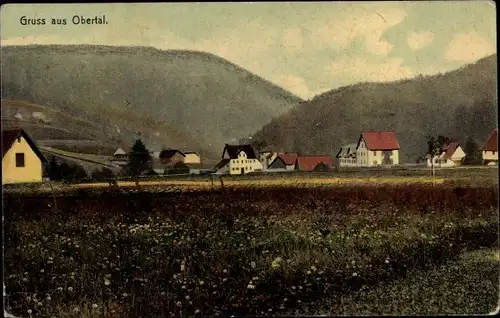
{"type": "Point", "coordinates": [266, 157]}
{"type": "Point", "coordinates": [346, 157]}
{"type": "Point", "coordinates": [238, 159]}
{"type": "Point", "coordinates": [452, 155]}
{"type": "Point", "coordinates": [490, 149]}
{"type": "Point", "coordinates": [40, 117]}
{"type": "Point", "coordinates": [191, 157]}
{"type": "Point", "coordinates": [18, 116]}
{"type": "Point", "coordinates": [377, 148]}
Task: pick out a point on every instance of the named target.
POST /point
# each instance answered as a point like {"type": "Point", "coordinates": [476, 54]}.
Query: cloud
{"type": "Point", "coordinates": [419, 40]}
{"type": "Point", "coordinates": [357, 69]}
{"type": "Point", "coordinates": [468, 47]}
{"type": "Point", "coordinates": [293, 40]}
{"type": "Point", "coordinates": [369, 25]}
{"type": "Point", "coordinates": [27, 40]}
{"type": "Point", "coordinates": [296, 85]}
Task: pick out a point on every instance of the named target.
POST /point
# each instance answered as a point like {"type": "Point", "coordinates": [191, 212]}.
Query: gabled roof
{"type": "Point", "coordinates": [287, 158]}
{"type": "Point", "coordinates": [9, 137]}
{"type": "Point", "coordinates": [169, 153]}
{"type": "Point", "coordinates": [234, 150]}
{"type": "Point", "coordinates": [347, 151]}
{"type": "Point", "coordinates": [449, 150]}
{"type": "Point", "coordinates": [119, 151]}
{"type": "Point", "coordinates": [380, 140]}
{"type": "Point", "coordinates": [221, 163]}
{"type": "Point", "coordinates": [190, 153]}
{"type": "Point", "coordinates": [309, 163]}
{"type": "Point", "coordinates": [491, 143]}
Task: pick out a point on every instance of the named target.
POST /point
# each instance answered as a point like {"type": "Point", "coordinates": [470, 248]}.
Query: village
{"type": "Point", "coordinates": [23, 162]}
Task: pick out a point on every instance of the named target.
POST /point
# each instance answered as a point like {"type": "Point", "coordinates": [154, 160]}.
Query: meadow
{"type": "Point", "coordinates": [260, 250]}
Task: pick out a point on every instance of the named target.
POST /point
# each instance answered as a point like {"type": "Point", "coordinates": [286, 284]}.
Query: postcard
{"type": "Point", "coordinates": [249, 159]}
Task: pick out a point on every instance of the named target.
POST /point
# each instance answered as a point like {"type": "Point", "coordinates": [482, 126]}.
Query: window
{"type": "Point", "coordinates": [19, 159]}
{"type": "Point", "coordinates": [374, 162]}
{"type": "Point", "coordinates": [375, 153]}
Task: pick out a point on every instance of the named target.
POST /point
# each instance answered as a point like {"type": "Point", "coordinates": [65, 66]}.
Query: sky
{"type": "Point", "coordinates": [305, 47]}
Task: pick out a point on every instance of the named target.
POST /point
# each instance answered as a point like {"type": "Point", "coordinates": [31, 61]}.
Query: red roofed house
{"type": "Point", "coordinates": [377, 148]}
{"type": "Point", "coordinates": [284, 161]}
{"type": "Point", "coordinates": [311, 163]}
{"type": "Point", "coordinates": [22, 161]}
{"type": "Point", "coordinates": [490, 149]}
{"type": "Point", "coordinates": [452, 155]}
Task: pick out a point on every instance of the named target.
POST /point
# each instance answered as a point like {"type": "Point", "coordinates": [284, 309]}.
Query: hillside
{"type": "Point", "coordinates": [460, 103]}
{"type": "Point", "coordinates": [75, 134]}
{"type": "Point", "coordinates": [197, 100]}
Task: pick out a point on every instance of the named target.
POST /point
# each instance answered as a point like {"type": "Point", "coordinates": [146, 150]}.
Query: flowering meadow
{"type": "Point", "coordinates": [231, 251]}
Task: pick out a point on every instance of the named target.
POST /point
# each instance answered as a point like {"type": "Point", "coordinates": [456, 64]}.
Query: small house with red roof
{"type": "Point", "coordinates": [284, 161]}
{"type": "Point", "coordinates": [451, 155]}
{"type": "Point", "coordinates": [377, 148]}
{"type": "Point", "coordinates": [22, 161]}
{"type": "Point", "coordinates": [490, 149]}
{"type": "Point", "coordinates": [312, 163]}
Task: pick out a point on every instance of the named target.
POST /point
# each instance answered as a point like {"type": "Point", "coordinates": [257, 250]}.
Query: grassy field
{"type": "Point", "coordinates": [464, 176]}
{"type": "Point", "coordinates": [467, 285]}
{"type": "Point", "coordinates": [240, 251]}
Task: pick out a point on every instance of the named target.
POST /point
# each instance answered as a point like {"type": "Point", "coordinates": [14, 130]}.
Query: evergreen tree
{"type": "Point", "coordinates": [54, 169]}
{"type": "Point", "coordinates": [139, 159]}
{"type": "Point", "coordinates": [472, 153]}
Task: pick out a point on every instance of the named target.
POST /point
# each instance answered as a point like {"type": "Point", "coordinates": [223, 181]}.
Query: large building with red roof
{"type": "Point", "coordinates": [377, 148]}
{"type": "Point", "coordinates": [490, 148]}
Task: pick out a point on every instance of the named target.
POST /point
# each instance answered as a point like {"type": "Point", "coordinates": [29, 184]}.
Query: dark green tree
{"type": "Point", "coordinates": [435, 147]}
{"type": "Point", "coordinates": [72, 172]}
{"type": "Point", "coordinates": [179, 168]}
{"type": "Point", "coordinates": [139, 159]}
{"type": "Point", "coordinates": [54, 169]}
{"type": "Point", "coordinates": [322, 167]}
{"type": "Point", "coordinates": [102, 174]}
{"type": "Point", "coordinates": [472, 152]}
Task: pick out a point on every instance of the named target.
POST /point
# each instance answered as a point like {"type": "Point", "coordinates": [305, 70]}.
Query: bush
{"type": "Point", "coordinates": [102, 174]}
{"type": "Point", "coordinates": [178, 168]}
